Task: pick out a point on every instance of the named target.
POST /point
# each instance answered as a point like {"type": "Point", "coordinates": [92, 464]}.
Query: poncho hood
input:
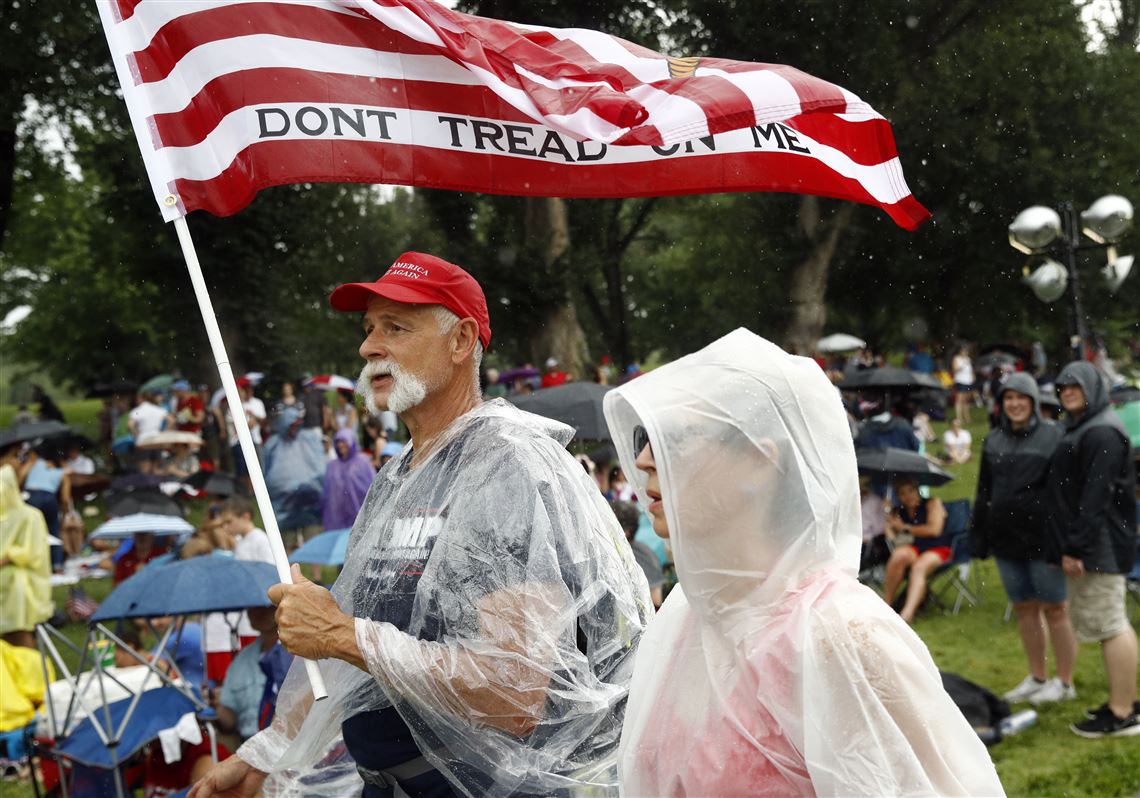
{"type": "Point", "coordinates": [769, 670]}
{"type": "Point", "coordinates": [1024, 384]}
{"type": "Point", "coordinates": [347, 437]}
{"type": "Point", "coordinates": [1092, 382]}
{"type": "Point", "coordinates": [757, 469]}
{"type": "Point", "coordinates": [288, 415]}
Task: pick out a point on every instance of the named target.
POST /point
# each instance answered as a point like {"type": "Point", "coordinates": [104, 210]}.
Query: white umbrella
{"type": "Point", "coordinates": [169, 438]}
{"type": "Point", "coordinates": [128, 525]}
{"type": "Point", "coordinates": [839, 342]}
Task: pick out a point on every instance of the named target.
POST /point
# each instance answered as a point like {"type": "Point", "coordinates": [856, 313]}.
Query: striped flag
{"type": "Point", "coordinates": [230, 96]}
{"type": "Point", "coordinates": [79, 605]}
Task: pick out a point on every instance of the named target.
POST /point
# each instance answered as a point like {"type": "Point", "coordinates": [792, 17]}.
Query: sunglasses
{"type": "Point", "coordinates": [640, 440]}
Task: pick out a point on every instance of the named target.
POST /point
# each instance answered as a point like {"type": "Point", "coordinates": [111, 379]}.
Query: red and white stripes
{"type": "Point", "coordinates": [230, 96]}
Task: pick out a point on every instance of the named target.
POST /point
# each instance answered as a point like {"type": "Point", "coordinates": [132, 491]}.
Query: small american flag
{"type": "Point", "coordinates": [80, 606]}
{"type": "Point", "coordinates": [230, 96]}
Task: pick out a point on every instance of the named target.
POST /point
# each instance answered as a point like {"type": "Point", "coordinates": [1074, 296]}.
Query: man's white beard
{"type": "Point", "coordinates": [408, 390]}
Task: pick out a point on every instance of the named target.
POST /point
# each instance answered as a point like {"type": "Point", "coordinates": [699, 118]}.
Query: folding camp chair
{"type": "Point", "coordinates": [957, 574]}
{"type": "Point", "coordinates": [108, 714]}
{"type": "Point", "coordinates": [97, 718]}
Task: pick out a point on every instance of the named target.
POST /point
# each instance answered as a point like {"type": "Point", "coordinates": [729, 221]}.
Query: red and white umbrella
{"type": "Point", "coordinates": [331, 382]}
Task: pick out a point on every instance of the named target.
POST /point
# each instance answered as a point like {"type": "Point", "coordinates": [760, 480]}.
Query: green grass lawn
{"type": "Point", "coordinates": [1045, 760]}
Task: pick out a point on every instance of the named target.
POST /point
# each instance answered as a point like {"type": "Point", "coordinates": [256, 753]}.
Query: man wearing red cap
{"type": "Point", "coordinates": [480, 637]}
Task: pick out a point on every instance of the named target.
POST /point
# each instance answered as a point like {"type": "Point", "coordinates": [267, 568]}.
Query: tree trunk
{"type": "Point", "coordinates": [809, 283]}
{"type": "Point", "coordinates": [1125, 32]}
{"type": "Point", "coordinates": [7, 172]}
{"type": "Point", "coordinates": [548, 235]}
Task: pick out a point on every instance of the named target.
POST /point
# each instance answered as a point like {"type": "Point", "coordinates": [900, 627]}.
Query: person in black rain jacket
{"type": "Point", "coordinates": [1092, 518]}
{"type": "Point", "coordinates": [1010, 523]}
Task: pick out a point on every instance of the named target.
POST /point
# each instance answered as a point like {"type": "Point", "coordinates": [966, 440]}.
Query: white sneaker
{"type": "Point", "coordinates": [1052, 691]}
{"type": "Point", "coordinates": [1023, 691]}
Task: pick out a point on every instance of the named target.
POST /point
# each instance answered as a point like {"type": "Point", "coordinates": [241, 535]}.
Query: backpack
{"type": "Point", "coordinates": [982, 709]}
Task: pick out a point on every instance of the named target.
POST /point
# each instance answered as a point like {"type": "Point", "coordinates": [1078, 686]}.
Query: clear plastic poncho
{"type": "Point", "coordinates": [770, 670]}
{"type": "Point", "coordinates": [513, 606]}
{"type": "Point", "coordinates": [294, 462]}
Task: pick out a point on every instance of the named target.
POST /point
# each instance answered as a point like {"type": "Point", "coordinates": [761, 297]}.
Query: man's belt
{"type": "Point", "coordinates": [389, 778]}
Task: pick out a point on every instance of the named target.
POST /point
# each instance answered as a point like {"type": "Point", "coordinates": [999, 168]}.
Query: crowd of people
{"type": "Point", "coordinates": [1056, 506]}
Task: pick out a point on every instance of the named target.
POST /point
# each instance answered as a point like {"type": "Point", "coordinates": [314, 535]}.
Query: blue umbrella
{"type": "Point", "coordinates": [189, 587]}
{"type": "Point", "coordinates": [327, 548]}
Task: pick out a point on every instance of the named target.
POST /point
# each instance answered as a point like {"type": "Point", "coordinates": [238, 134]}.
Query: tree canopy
{"type": "Point", "coordinates": [995, 106]}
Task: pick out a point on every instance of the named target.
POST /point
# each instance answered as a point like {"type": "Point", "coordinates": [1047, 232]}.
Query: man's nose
{"type": "Point", "coordinates": [372, 347]}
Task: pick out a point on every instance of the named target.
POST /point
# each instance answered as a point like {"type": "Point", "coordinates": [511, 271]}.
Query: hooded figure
{"type": "Point", "coordinates": [295, 465]}
{"type": "Point", "coordinates": [1010, 507]}
{"type": "Point", "coordinates": [770, 670]}
{"type": "Point", "coordinates": [25, 573]}
{"type": "Point", "coordinates": [347, 479]}
{"type": "Point", "coordinates": [1091, 481]}
{"type": "Point", "coordinates": [507, 649]}
{"type": "Point", "coordinates": [1011, 522]}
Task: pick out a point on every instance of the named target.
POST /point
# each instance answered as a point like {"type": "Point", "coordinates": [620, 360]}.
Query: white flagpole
{"type": "Point", "coordinates": [280, 558]}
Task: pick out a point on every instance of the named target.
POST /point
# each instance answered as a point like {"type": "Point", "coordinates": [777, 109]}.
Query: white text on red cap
{"type": "Point", "coordinates": [404, 269]}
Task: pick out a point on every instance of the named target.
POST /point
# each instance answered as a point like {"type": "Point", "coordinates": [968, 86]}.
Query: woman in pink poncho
{"type": "Point", "coordinates": [770, 670]}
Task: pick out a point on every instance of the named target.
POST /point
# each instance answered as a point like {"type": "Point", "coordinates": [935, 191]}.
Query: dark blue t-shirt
{"type": "Point", "coordinates": [919, 518]}
{"type": "Point", "coordinates": [380, 739]}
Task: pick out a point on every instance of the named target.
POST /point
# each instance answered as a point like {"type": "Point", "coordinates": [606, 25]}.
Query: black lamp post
{"type": "Point", "coordinates": [1042, 231]}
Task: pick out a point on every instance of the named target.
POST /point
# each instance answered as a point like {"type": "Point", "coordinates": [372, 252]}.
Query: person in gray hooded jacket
{"type": "Point", "coordinates": [1091, 484]}
{"type": "Point", "coordinates": [1010, 523]}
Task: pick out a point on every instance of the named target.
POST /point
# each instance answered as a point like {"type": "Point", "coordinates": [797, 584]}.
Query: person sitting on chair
{"type": "Point", "coordinates": [916, 526]}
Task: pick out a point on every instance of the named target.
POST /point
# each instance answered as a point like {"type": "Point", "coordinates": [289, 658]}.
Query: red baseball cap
{"type": "Point", "coordinates": [420, 279]}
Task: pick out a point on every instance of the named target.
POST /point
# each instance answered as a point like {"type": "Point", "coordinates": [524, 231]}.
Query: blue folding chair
{"type": "Point", "coordinates": [957, 574]}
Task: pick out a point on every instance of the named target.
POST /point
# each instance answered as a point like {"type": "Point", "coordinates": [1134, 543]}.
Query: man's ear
{"type": "Point", "coordinates": [464, 336]}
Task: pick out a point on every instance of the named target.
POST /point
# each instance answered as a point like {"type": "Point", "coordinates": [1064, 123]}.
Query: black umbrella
{"type": "Point", "coordinates": [64, 442]}
{"type": "Point", "coordinates": [578, 404]}
{"type": "Point", "coordinates": [141, 500]}
{"type": "Point", "coordinates": [216, 483]}
{"type": "Point", "coordinates": [1124, 394]}
{"type": "Point", "coordinates": [606, 453]}
{"type": "Point", "coordinates": [101, 390]}
{"type": "Point", "coordinates": [138, 480]}
{"type": "Point", "coordinates": [78, 439]}
{"type": "Point", "coordinates": [31, 431]}
{"type": "Point", "coordinates": [887, 378]}
{"type": "Point", "coordinates": [901, 463]}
